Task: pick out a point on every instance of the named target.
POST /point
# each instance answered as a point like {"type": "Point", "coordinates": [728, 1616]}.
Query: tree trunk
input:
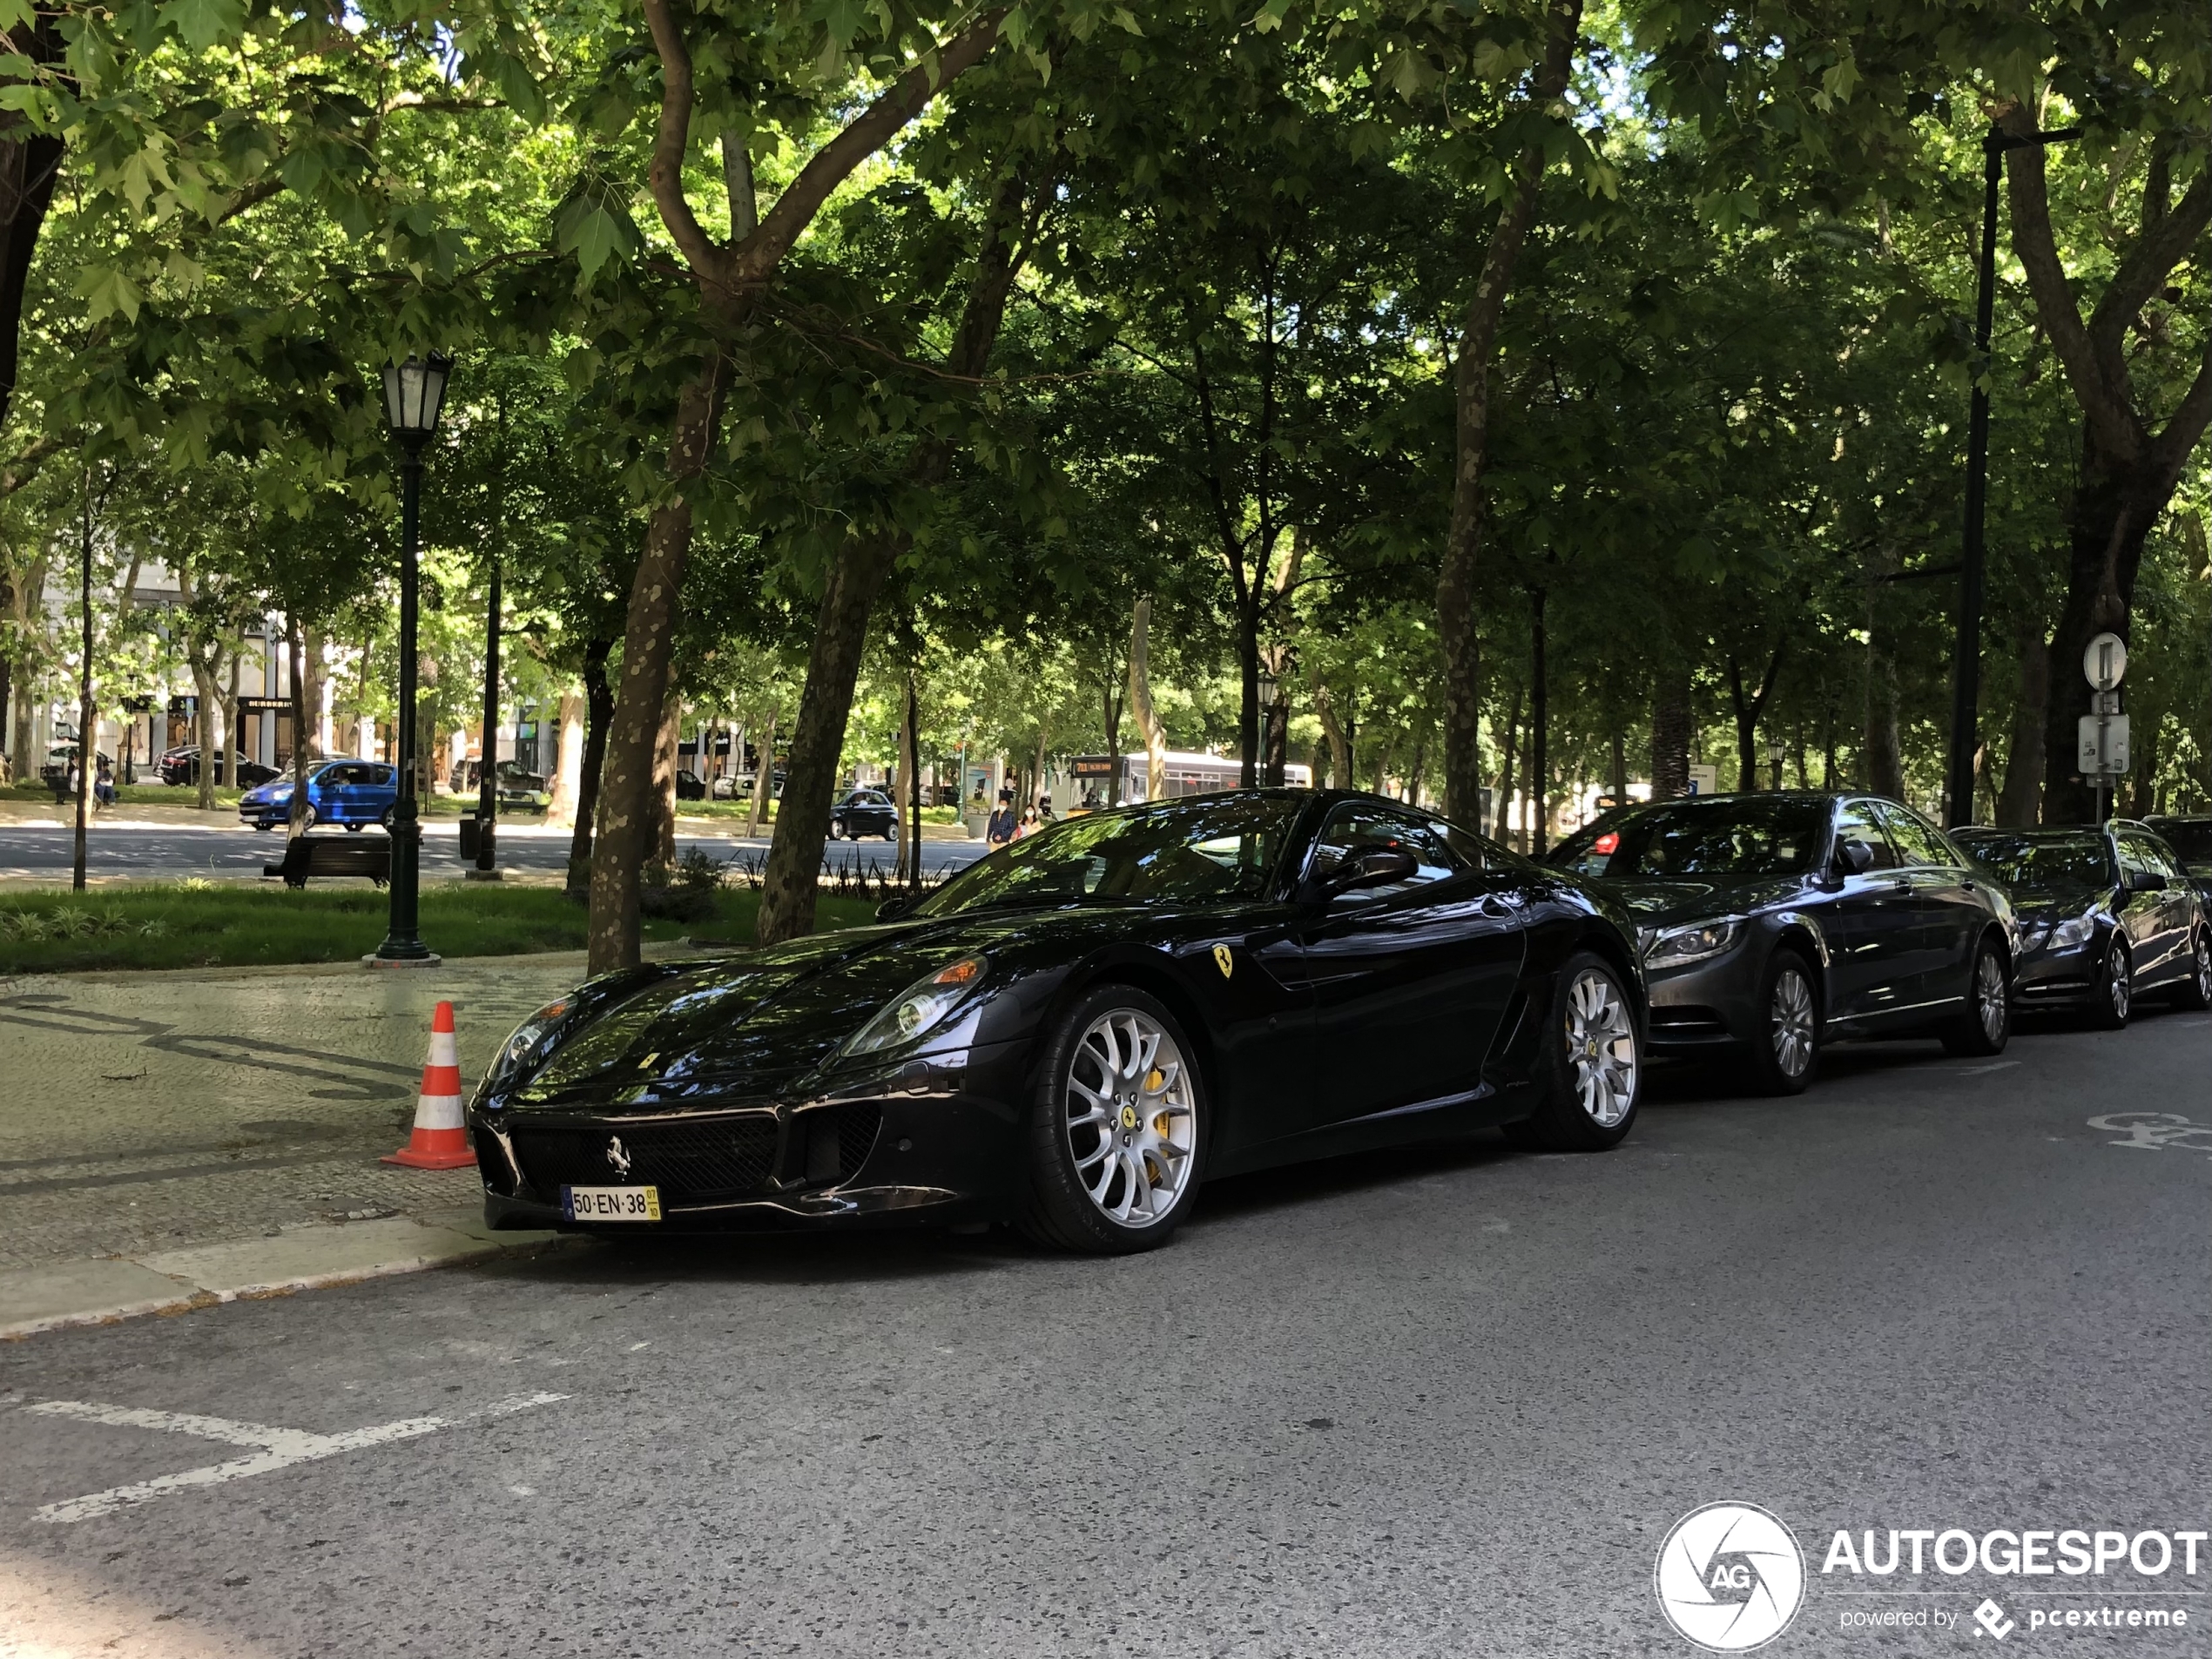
{"type": "Point", "coordinates": [1616, 756]}
{"type": "Point", "coordinates": [1456, 584]}
{"type": "Point", "coordinates": [1671, 724]}
{"type": "Point", "coordinates": [914, 786]}
{"type": "Point", "coordinates": [666, 744]}
{"type": "Point", "coordinates": [1539, 776]}
{"type": "Point", "coordinates": [649, 638]}
{"type": "Point", "coordinates": [598, 715]}
{"type": "Point", "coordinates": [1748, 710]}
{"type": "Point", "coordinates": [30, 164]}
{"type": "Point", "coordinates": [764, 778]}
{"type": "Point", "coordinates": [314, 679]}
{"type": "Point", "coordinates": [1140, 700]}
{"type": "Point", "coordinates": [2019, 804]}
{"type": "Point", "coordinates": [1503, 832]}
{"type": "Point", "coordinates": [568, 765]}
{"type": "Point", "coordinates": [2143, 736]}
{"type": "Point", "coordinates": [790, 885]}
{"type": "Point", "coordinates": [1885, 766]}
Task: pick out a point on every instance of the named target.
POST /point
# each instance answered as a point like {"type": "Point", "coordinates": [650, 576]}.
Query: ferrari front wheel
{"type": "Point", "coordinates": [1591, 1069]}
{"type": "Point", "coordinates": [1115, 1131]}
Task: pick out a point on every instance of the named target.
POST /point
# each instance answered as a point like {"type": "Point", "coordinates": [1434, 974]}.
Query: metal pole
{"type": "Point", "coordinates": [488, 779]}
{"type": "Point", "coordinates": [88, 745]}
{"type": "Point", "coordinates": [1966, 661]}
{"type": "Point", "coordinates": [403, 942]}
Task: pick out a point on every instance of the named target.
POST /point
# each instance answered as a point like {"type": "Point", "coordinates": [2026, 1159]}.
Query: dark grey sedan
{"type": "Point", "coordinates": [2106, 915]}
{"type": "Point", "coordinates": [1772, 924]}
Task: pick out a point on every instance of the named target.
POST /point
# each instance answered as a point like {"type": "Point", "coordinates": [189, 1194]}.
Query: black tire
{"type": "Point", "coordinates": [385, 821]}
{"type": "Point", "coordinates": [1563, 1122]}
{"type": "Point", "coordinates": [265, 828]}
{"type": "Point", "coordinates": [1789, 1053]}
{"type": "Point", "coordinates": [2194, 990]}
{"type": "Point", "coordinates": [1984, 1025]}
{"type": "Point", "coordinates": [891, 834]}
{"type": "Point", "coordinates": [1060, 1210]}
{"type": "Point", "coordinates": [308, 818]}
{"type": "Point", "coordinates": [2114, 1000]}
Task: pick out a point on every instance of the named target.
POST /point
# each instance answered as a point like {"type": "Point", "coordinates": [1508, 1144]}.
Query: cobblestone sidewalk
{"type": "Point", "coordinates": [148, 1112]}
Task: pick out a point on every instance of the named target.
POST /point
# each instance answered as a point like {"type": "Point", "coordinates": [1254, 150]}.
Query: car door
{"type": "Point", "coordinates": [1940, 910]}
{"type": "Point", "coordinates": [2152, 917]}
{"type": "Point", "coordinates": [1409, 981]}
{"type": "Point", "coordinates": [1872, 910]}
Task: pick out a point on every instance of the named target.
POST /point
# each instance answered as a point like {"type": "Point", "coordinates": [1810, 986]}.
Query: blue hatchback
{"type": "Point", "coordinates": [345, 791]}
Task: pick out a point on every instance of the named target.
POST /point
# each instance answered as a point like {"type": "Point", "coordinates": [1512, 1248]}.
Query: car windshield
{"type": "Point", "coordinates": [1207, 847]}
{"type": "Point", "coordinates": [2034, 861]}
{"type": "Point", "coordinates": [1735, 839]}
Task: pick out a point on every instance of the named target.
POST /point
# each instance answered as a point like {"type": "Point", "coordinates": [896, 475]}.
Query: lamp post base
{"type": "Point", "coordinates": [430, 959]}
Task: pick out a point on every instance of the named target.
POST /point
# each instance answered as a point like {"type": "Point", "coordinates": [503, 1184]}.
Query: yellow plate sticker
{"type": "Point", "coordinates": [1223, 960]}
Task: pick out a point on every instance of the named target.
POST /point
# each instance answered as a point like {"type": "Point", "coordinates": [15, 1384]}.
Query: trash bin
{"type": "Point", "coordinates": [469, 838]}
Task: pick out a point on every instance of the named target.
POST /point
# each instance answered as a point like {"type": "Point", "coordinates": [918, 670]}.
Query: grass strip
{"type": "Point", "coordinates": [204, 924]}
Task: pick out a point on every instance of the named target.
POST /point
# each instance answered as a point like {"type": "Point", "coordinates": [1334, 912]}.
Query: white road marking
{"type": "Point", "coordinates": [278, 1449]}
{"type": "Point", "coordinates": [1965, 1071]}
{"type": "Point", "coordinates": [2155, 1132]}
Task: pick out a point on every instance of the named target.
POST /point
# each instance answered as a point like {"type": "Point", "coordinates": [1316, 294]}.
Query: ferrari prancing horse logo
{"type": "Point", "coordinates": [1223, 961]}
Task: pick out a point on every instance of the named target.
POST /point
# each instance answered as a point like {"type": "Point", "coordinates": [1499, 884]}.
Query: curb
{"type": "Point", "coordinates": [308, 1257]}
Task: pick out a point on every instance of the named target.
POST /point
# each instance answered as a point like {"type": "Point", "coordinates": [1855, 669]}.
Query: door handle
{"type": "Point", "coordinates": [1497, 904]}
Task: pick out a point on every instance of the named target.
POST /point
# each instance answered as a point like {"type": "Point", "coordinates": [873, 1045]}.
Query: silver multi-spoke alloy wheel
{"type": "Point", "coordinates": [2119, 982]}
{"type": "Point", "coordinates": [1601, 1044]}
{"type": "Point", "coordinates": [1989, 995]}
{"type": "Point", "coordinates": [2201, 967]}
{"type": "Point", "coordinates": [1131, 1124]}
{"type": "Point", "coordinates": [1792, 1022]}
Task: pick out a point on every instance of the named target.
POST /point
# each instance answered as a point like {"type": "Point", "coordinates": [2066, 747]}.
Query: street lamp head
{"type": "Point", "coordinates": [1774, 750]}
{"type": "Point", "coordinates": [1267, 691]}
{"type": "Point", "coordinates": [415, 392]}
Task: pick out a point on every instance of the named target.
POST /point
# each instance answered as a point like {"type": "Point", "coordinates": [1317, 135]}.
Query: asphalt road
{"type": "Point", "coordinates": [30, 852]}
{"type": "Point", "coordinates": [1445, 1401]}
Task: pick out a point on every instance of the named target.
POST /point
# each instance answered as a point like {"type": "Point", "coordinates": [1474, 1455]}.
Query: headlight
{"type": "Point", "coordinates": [921, 1008]}
{"type": "Point", "coordinates": [516, 1052]}
{"type": "Point", "coordinates": [1672, 947]}
{"type": "Point", "coordinates": [2071, 933]}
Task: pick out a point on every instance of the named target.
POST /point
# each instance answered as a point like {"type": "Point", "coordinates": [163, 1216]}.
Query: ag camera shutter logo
{"type": "Point", "coordinates": [1730, 1577]}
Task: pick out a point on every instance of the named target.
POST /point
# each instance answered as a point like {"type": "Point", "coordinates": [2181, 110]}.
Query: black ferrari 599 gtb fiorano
{"type": "Point", "coordinates": [1076, 1030]}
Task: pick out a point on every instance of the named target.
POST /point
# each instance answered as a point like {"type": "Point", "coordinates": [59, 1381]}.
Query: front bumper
{"type": "Point", "coordinates": [2057, 979]}
{"type": "Point", "coordinates": [931, 1145]}
{"type": "Point", "coordinates": [1709, 1007]}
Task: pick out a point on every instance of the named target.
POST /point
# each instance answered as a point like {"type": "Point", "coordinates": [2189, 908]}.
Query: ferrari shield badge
{"type": "Point", "coordinates": [1223, 961]}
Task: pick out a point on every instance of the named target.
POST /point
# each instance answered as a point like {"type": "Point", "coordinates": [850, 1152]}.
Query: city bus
{"type": "Point", "coordinates": [1180, 774]}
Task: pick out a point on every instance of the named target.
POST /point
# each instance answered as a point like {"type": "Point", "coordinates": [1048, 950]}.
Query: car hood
{"type": "Point", "coordinates": [1665, 904]}
{"type": "Point", "coordinates": [2054, 904]}
{"type": "Point", "coordinates": [759, 1023]}
{"type": "Point", "coordinates": [266, 794]}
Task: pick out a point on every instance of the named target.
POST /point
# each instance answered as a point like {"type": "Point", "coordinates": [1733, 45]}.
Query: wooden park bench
{"type": "Point", "coordinates": [308, 856]}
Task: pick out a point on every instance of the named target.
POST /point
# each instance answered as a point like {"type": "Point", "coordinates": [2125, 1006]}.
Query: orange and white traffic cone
{"type": "Point", "coordinates": [441, 1137]}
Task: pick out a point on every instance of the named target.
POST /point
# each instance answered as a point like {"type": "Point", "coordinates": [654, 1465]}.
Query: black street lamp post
{"type": "Point", "coordinates": [1966, 661]}
{"type": "Point", "coordinates": [413, 392]}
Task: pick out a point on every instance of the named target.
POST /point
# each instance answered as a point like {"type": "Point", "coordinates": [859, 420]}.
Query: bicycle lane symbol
{"type": "Point", "coordinates": [2155, 1132]}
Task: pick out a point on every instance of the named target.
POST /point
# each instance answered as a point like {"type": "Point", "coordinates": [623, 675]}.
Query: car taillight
{"type": "Point", "coordinates": [1605, 844]}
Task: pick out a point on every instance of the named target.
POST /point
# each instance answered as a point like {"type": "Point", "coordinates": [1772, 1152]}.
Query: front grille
{"type": "Point", "coordinates": [856, 1132]}
{"type": "Point", "coordinates": [725, 1159]}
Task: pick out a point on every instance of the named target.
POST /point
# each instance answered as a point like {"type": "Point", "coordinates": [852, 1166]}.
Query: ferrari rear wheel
{"type": "Point", "coordinates": [1117, 1129]}
{"type": "Point", "coordinates": [1591, 1069]}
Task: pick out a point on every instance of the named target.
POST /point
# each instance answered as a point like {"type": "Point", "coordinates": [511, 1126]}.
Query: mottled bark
{"type": "Point", "coordinates": [568, 764]}
{"type": "Point", "coordinates": [1670, 723]}
{"type": "Point", "coordinates": [666, 743]}
{"type": "Point", "coordinates": [598, 715]}
{"type": "Point", "coordinates": [1140, 700]}
{"type": "Point", "coordinates": [2020, 803]}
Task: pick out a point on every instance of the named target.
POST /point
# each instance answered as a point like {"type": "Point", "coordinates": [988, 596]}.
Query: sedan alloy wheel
{"type": "Point", "coordinates": [1792, 1027]}
{"type": "Point", "coordinates": [2116, 988]}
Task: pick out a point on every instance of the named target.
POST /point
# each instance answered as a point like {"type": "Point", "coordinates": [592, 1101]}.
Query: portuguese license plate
{"type": "Point", "coordinates": [610, 1204]}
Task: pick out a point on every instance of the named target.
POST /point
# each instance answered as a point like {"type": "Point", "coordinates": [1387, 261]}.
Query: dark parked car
{"type": "Point", "coordinates": [181, 765]}
{"type": "Point", "coordinates": [689, 785]}
{"type": "Point", "coordinates": [1074, 1030]}
{"type": "Point", "coordinates": [1772, 924]}
{"type": "Point", "coordinates": [2191, 839]}
{"type": "Point", "coordinates": [346, 791]}
{"type": "Point", "coordinates": [865, 812]}
{"type": "Point", "coordinates": [2106, 914]}
{"type": "Point", "coordinates": [517, 781]}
